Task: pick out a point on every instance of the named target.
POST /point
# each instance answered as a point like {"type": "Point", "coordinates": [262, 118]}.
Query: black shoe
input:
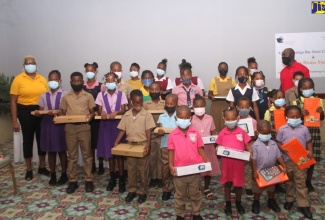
{"type": "Point", "coordinates": [52, 181]}
{"type": "Point", "coordinates": [93, 169]}
{"type": "Point", "coordinates": [306, 212]}
{"type": "Point", "coordinates": [142, 198]}
{"type": "Point", "coordinates": [310, 186]}
{"type": "Point", "coordinates": [43, 171]}
{"type": "Point", "coordinates": [89, 185]}
{"type": "Point", "coordinates": [279, 189]}
{"type": "Point", "coordinates": [72, 187]}
{"type": "Point", "coordinates": [121, 184]}
{"type": "Point", "coordinates": [111, 185]}
{"type": "Point", "coordinates": [130, 196]}
{"type": "Point", "coordinates": [179, 217]}
{"type": "Point", "coordinates": [101, 170]}
{"type": "Point", "coordinates": [249, 193]}
{"type": "Point", "coordinates": [288, 205]}
{"type": "Point", "coordinates": [63, 179]}
{"type": "Point", "coordinates": [256, 207]}
{"type": "Point", "coordinates": [197, 217]}
{"type": "Point", "coordinates": [153, 183]}
{"type": "Point", "coordinates": [29, 175]}
{"type": "Point", "coordinates": [240, 208]}
{"type": "Point", "coordinates": [228, 210]}
{"type": "Point", "coordinates": [159, 183]}
{"type": "Point", "coordinates": [166, 196]}
{"type": "Point", "coordinates": [271, 203]}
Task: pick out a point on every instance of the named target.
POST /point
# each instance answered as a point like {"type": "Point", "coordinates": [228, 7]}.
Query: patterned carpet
{"type": "Point", "coordinates": [37, 200]}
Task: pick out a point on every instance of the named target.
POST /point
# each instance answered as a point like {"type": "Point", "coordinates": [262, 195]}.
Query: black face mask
{"type": "Point", "coordinates": [154, 96]}
{"type": "Point", "coordinates": [171, 109]}
{"type": "Point", "coordinates": [223, 72]}
{"type": "Point", "coordinates": [286, 60]}
{"type": "Point", "coordinates": [242, 79]}
{"type": "Point", "coordinates": [76, 88]}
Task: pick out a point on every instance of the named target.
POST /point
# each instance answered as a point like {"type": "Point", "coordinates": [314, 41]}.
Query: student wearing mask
{"type": "Point", "coordinates": [165, 83]}
{"type": "Point", "coordinates": [135, 82]}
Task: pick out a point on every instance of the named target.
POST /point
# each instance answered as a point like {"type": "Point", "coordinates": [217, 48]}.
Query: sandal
{"type": "Point", "coordinates": [209, 194]}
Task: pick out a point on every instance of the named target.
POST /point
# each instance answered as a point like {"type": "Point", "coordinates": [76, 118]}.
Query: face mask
{"type": "Point", "coordinates": [242, 79]}
{"type": "Point", "coordinates": [264, 137]}
{"type": "Point", "coordinates": [171, 109]}
{"type": "Point", "coordinates": [30, 68]}
{"type": "Point", "coordinates": [259, 82]}
{"type": "Point", "coordinates": [199, 111]}
{"type": "Point", "coordinates": [296, 83]}
{"type": "Point", "coordinates": [90, 75]}
{"type": "Point", "coordinates": [251, 71]}
{"type": "Point", "coordinates": [244, 112]}
{"type": "Point", "coordinates": [53, 84]}
{"type": "Point", "coordinates": [119, 74]}
{"type": "Point", "coordinates": [110, 86]}
{"type": "Point", "coordinates": [294, 122]}
{"type": "Point", "coordinates": [160, 72]}
{"type": "Point", "coordinates": [231, 124]}
{"type": "Point", "coordinates": [307, 93]}
{"type": "Point", "coordinates": [186, 81]}
{"type": "Point", "coordinates": [223, 72]}
{"type": "Point", "coordinates": [280, 102]}
{"type": "Point", "coordinates": [183, 123]}
{"type": "Point", "coordinates": [76, 88]}
{"type": "Point", "coordinates": [147, 82]}
{"type": "Point", "coordinates": [134, 73]}
{"type": "Point", "coordinates": [286, 60]}
{"type": "Point", "coordinates": [155, 95]}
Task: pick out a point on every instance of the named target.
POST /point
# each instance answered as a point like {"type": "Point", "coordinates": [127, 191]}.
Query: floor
{"type": "Point", "coordinates": [37, 200]}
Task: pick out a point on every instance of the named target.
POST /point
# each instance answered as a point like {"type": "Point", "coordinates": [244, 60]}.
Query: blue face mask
{"type": "Point", "coordinates": [183, 123]}
{"type": "Point", "coordinates": [160, 72]}
{"type": "Point", "coordinates": [264, 137]}
{"type": "Point", "coordinates": [244, 112]}
{"type": "Point", "coordinates": [90, 75]}
{"type": "Point", "coordinates": [53, 84]}
{"type": "Point", "coordinates": [308, 92]}
{"type": "Point", "coordinates": [231, 124]}
{"type": "Point", "coordinates": [186, 81]}
{"type": "Point", "coordinates": [30, 68]}
{"type": "Point", "coordinates": [280, 102]}
{"type": "Point", "coordinates": [294, 122]}
{"type": "Point", "coordinates": [110, 86]}
{"type": "Point", "coordinates": [147, 82]}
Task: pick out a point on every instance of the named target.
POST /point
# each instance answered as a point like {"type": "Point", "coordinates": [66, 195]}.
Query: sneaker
{"type": "Point", "coordinates": [52, 181]}
{"type": "Point", "coordinates": [142, 198]}
{"type": "Point", "coordinates": [63, 179]}
{"type": "Point", "coordinates": [43, 171]}
{"type": "Point", "coordinates": [89, 186]}
{"type": "Point", "coordinates": [249, 193]}
{"type": "Point", "coordinates": [72, 187]}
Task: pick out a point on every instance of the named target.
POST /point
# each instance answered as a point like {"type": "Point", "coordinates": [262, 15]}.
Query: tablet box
{"type": "Point", "coordinates": [129, 150]}
{"type": "Point", "coordinates": [210, 139]}
{"type": "Point", "coordinates": [166, 130]}
{"type": "Point", "coordinates": [192, 169]}
{"type": "Point", "coordinates": [270, 176]}
{"type": "Point", "coordinates": [45, 112]}
{"type": "Point", "coordinates": [233, 153]}
{"type": "Point", "coordinates": [70, 119]}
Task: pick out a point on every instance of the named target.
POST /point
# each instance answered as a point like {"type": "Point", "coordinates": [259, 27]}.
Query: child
{"type": "Point", "coordinates": [233, 169]}
{"type": "Point", "coordinates": [204, 124]}
{"type": "Point", "coordinates": [252, 67]}
{"type": "Point", "coordinates": [165, 82]}
{"type": "Point", "coordinates": [78, 102]}
{"type": "Point", "coordinates": [185, 147]}
{"type": "Point", "coordinates": [122, 86]}
{"type": "Point", "coordinates": [147, 78]}
{"type": "Point", "coordinates": [297, 177]}
{"type": "Point", "coordinates": [93, 87]}
{"type": "Point", "coordinates": [292, 93]}
{"type": "Point", "coordinates": [186, 90]}
{"type": "Point", "coordinates": [111, 103]}
{"type": "Point", "coordinates": [52, 136]}
{"type": "Point", "coordinates": [265, 154]}
{"type": "Point", "coordinates": [306, 89]}
{"type": "Point", "coordinates": [136, 124]}
{"type": "Point", "coordinates": [135, 82]}
{"type": "Point", "coordinates": [258, 82]}
{"type": "Point", "coordinates": [243, 89]}
{"type": "Point", "coordinates": [167, 120]}
{"type": "Point", "coordinates": [155, 156]}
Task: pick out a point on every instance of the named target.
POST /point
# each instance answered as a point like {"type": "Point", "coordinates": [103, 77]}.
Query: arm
{"type": "Point", "coordinates": [214, 132]}
{"type": "Point", "coordinates": [282, 163]}
{"type": "Point", "coordinates": [91, 114]}
{"type": "Point", "coordinates": [148, 134]}
{"type": "Point", "coordinates": [310, 148]}
{"type": "Point", "coordinates": [102, 113]}
{"type": "Point", "coordinates": [161, 132]}
{"type": "Point", "coordinates": [13, 109]}
{"type": "Point", "coordinates": [203, 155]}
{"type": "Point", "coordinates": [231, 104]}
{"type": "Point", "coordinates": [120, 112]}
{"type": "Point", "coordinates": [280, 147]}
{"type": "Point", "coordinates": [320, 110]}
{"type": "Point", "coordinates": [119, 137]}
{"type": "Point", "coordinates": [210, 95]}
{"type": "Point", "coordinates": [171, 162]}
{"type": "Point", "coordinates": [254, 169]}
{"type": "Point", "coordinates": [256, 111]}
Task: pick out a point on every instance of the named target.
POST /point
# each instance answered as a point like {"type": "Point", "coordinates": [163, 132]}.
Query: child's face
{"type": "Point", "coordinates": [186, 74]}
{"type": "Point", "coordinates": [231, 116]}
{"type": "Point", "coordinates": [297, 78]}
{"type": "Point", "coordinates": [154, 88]}
{"type": "Point", "coordinates": [137, 101]}
{"type": "Point", "coordinates": [134, 68]}
{"type": "Point", "coordinates": [161, 66]}
{"type": "Point", "coordinates": [76, 80]}
{"type": "Point", "coordinates": [182, 114]}
{"type": "Point", "coordinates": [199, 104]}
{"type": "Point", "coordinates": [244, 104]}
{"type": "Point", "coordinates": [264, 130]}
{"type": "Point", "coordinates": [252, 66]}
{"type": "Point", "coordinates": [90, 68]}
{"type": "Point", "coordinates": [54, 77]}
{"type": "Point", "coordinates": [116, 68]}
{"type": "Point", "coordinates": [241, 72]}
{"type": "Point", "coordinates": [258, 76]}
{"type": "Point", "coordinates": [279, 95]}
{"type": "Point", "coordinates": [170, 102]}
{"type": "Point", "coordinates": [306, 86]}
{"type": "Point", "coordinates": [147, 76]}
{"type": "Point", "coordinates": [294, 114]}
{"type": "Point", "coordinates": [110, 78]}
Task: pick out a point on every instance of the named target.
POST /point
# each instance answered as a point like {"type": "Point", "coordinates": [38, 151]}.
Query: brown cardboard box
{"type": "Point", "coordinates": [116, 117]}
{"type": "Point", "coordinates": [44, 112]}
{"type": "Point", "coordinates": [70, 119]}
{"type": "Point", "coordinates": [130, 150]}
{"type": "Point", "coordinates": [166, 130]}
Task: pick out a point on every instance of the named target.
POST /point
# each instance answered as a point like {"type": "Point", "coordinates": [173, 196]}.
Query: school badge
{"type": "Point", "coordinates": [192, 137]}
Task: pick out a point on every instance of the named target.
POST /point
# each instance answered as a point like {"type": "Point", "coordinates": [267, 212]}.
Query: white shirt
{"type": "Point", "coordinates": [199, 83]}
{"type": "Point", "coordinates": [230, 96]}
{"type": "Point", "coordinates": [169, 82]}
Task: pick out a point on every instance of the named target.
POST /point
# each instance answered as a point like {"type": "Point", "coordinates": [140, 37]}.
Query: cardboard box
{"type": "Point", "coordinates": [129, 150]}
{"type": "Point", "coordinates": [70, 119]}
{"type": "Point", "coordinates": [192, 169]}
{"type": "Point", "coordinates": [167, 130]}
{"type": "Point", "coordinates": [210, 139]}
{"type": "Point", "coordinates": [271, 176]}
{"type": "Point", "coordinates": [98, 117]}
{"type": "Point", "coordinates": [233, 153]}
{"type": "Point", "coordinates": [44, 112]}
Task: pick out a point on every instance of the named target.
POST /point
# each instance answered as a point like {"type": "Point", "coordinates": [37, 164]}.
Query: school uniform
{"type": "Point", "coordinates": [124, 87]}
{"type": "Point", "coordinates": [155, 154]}
{"type": "Point", "coordinates": [165, 84]}
{"type": "Point", "coordinates": [291, 95]}
{"type": "Point", "coordinates": [186, 95]}
{"type": "Point", "coordinates": [145, 93]}
{"type": "Point", "coordinates": [220, 87]}
{"type": "Point", "coordinates": [135, 84]}
{"type": "Point", "coordinates": [262, 103]}
{"type": "Point", "coordinates": [135, 128]}
{"type": "Point", "coordinates": [78, 133]}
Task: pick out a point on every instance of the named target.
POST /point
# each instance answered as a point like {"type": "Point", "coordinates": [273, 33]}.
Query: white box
{"type": "Point", "coordinates": [233, 153]}
{"type": "Point", "coordinates": [247, 125]}
{"type": "Point", "coordinates": [210, 139]}
{"type": "Point", "coordinates": [192, 169]}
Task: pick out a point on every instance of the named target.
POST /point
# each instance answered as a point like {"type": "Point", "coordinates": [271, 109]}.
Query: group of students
{"type": "Point", "coordinates": [248, 98]}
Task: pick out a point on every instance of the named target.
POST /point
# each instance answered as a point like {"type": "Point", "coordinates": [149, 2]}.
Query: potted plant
{"type": "Point", "coordinates": [5, 119]}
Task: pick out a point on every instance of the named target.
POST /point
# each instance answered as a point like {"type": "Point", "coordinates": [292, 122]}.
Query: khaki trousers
{"type": "Point", "coordinates": [166, 175]}
{"type": "Point", "coordinates": [248, 175]}
{"type": "Point", "coordinates": [142, 165]}
{"type": "Point", "coordinates": [155, 159]}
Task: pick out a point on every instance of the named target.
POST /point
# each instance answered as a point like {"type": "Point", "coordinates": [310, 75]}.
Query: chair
{"type": "Point", "coordinates": [6, 167]}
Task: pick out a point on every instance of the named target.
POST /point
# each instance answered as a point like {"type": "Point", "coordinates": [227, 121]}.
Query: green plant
{"type": "Point", "coordinates": [5, 83]}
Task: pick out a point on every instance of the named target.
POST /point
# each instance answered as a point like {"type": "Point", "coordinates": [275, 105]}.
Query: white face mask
{"type": "Point", "coordinates": [199, 111]}
{"type": "Point", "coordinates": [134, 73]}
{"type": "Point", "coordinates": [259, 82]}
{"type": "Point", "coordinates": [119, 74]}
{"type": "Point", "coordinates": [251, 71]}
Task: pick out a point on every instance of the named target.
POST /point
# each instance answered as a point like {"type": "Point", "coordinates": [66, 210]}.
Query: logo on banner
{"type": "Point", "coordinates": [317, 7]}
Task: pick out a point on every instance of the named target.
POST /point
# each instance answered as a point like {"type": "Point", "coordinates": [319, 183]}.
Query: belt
{"type": "Point", "coordinates": [141, 142]}
{"type": "Point", "coordinates": [79, 123]}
